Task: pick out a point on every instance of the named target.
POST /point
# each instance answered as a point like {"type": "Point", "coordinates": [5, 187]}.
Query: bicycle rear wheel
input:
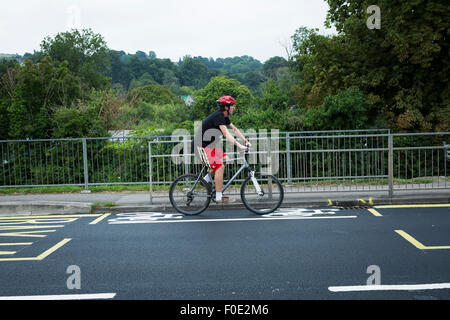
{"type": "Point", "coordinates": [189, 196]}
{"type": "Point", "coordinates": [264, 196]}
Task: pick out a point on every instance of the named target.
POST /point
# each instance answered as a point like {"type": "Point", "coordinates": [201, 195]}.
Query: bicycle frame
{"type": "Point", "coordinates": [244, 166]}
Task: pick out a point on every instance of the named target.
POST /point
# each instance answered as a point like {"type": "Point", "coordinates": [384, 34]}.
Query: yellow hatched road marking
{"type": "Point", "coordinates": [43, 255]}
{"type": "Point", "coordinates": [13, 244]}
{"type": "Point", "coordinates": [53, 249]}
{"type": "Point", "coordinates": [59, 216]}
{"type": "Point", "coordinates": [16, 244]}
{"type": "Point", "coordinates": [6, 227]}
{"type": "Point", "coordinates": [18, 231]}
{"type": "Point", "coordinates": [417, 244]}
{"type": "Point", "coordinates": [100, 218]}
{"type": "Point", "coordinates": [26, 234]}
{"type": "Point", "coordinates": [7, 252]}
{"type": "Point", "coordinates": [36, 221]}
{"type": "Point", "coordinates": [375, 212]}
{"type": "Point", "coordinates": [34, 226]}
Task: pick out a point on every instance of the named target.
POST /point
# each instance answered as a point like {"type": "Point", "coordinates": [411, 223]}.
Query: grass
{"type": "Point", "coordinates": [103, 204]}
{"type": "Point", "coordinates": [165, 188]}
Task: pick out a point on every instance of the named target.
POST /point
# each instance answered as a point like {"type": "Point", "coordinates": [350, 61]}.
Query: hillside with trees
{"type": "Point", "coordinates": [395, 77]}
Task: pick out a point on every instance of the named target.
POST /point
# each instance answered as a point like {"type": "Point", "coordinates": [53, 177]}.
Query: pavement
{"type": "Point", "coordinates": [119, 202]}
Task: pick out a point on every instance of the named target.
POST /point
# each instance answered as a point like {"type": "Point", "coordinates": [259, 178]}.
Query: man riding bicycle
{"type": "Point", "coordinates": [208, 136]}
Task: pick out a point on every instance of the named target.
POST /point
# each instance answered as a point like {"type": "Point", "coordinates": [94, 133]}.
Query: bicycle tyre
{"type": "Point", "coordinates": [262, 204]}
{"type": "Point", "coordinates": [181, 201]}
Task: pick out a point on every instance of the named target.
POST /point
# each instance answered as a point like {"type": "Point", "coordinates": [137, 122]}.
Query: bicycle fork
{"type": "Point", "coordinates": [256, 184]}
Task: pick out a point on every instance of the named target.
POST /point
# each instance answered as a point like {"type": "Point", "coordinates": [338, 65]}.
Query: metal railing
{"type": "Point", "coordinates": [313, 161]}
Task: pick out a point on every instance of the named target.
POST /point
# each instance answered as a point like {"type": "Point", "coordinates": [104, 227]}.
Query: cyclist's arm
{"type": "Point", "coordinates": [230, 137]}
{"type": "Point", "coordinates": [238, 133]}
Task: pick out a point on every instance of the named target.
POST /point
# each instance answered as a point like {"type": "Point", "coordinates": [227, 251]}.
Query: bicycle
{"type": "Point", "coordinates": [261, 193]}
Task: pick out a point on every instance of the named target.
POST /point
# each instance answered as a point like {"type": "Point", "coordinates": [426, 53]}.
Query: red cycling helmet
{"type": "Point", "coordinates": [226, 100]}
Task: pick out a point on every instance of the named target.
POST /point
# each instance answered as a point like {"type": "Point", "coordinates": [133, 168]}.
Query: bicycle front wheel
{"type": "Point", "coordinates": [263, 194]}
{"type": "Point", "coordinates": [189, 196]}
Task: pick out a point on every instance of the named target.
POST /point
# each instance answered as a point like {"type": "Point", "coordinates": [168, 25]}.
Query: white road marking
{"type": "Point", "coordinates": [406, 287]}
{"type": "Point", "coordinates": [236, 219]}
{"type": "Point", "coordinates": [280, 214]}
{"type": "Point", "coordinates": [89, 296]}
{"type": "Point", "coordinates": [303, 212]}
{"type": "Point", "coordinates": [142, 217]}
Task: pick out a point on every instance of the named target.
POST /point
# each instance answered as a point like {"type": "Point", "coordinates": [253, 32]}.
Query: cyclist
{"type": "Point", "coordinates": [212, 128]}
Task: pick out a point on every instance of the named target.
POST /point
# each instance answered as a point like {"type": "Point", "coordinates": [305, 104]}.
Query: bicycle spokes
{"type": "Point", "coordinates": [262, 193]}
{"type": "Point", "coordinates": [189, 194]}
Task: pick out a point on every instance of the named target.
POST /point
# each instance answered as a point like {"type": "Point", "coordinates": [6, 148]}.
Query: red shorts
{"type": "Point", "coordinates": [215, 157]}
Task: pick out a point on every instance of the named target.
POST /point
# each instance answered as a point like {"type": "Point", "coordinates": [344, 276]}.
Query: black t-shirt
{"type": "Point", "coordinates": [209, 133]}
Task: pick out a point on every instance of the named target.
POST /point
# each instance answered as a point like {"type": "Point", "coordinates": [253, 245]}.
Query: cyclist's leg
{"type": "Point", "coordinates": [218, 179]}
{"type": "Point", "coordinates": [218, 174]}
{"type": "Point", "coordinates": [215, 158]}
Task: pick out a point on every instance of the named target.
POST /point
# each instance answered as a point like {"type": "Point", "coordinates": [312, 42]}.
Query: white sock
{"type": "Point", "coordinates": [207, 178]}
{"type": "Point", "coordinates": [218, 196]}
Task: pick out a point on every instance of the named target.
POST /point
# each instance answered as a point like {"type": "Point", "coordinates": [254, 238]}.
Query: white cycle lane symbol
{"type": "Point", "coordinates": [143, 217]}
{"type": "Point", "coordinates": [152, 217]}
{"type": "Point", "coordinates": [300, 212]}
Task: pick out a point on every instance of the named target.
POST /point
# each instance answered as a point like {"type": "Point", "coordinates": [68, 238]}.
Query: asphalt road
{"type": "Point", "coordinates": [296, 254]}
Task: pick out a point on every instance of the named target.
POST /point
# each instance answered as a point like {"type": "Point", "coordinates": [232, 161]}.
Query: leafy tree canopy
{"type": "Point", "coordinates": [86, 53]}
{"type": "Point", "coordinates": [402, 67]}
{"type": "Point", "coordinates": [205, 99]}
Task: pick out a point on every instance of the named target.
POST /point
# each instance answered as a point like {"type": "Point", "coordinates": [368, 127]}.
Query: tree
{"type": "Point", "coordinates": [205, 99]}
{"type": "Point", "coordinates": [154, 94]}
{"type": "Point", "coordinates": [239, 64]}
{"type": "Point", "coordinates": [141, 54]}
{"type": "Point", "coordinates": [6, 87]}
{"type": "Point", "coordinates": [402, 67]}
{"type": "Point", "coordinates": [86, 53]}
{"type": "Point", "coordinates": [32, 93]}
{"type": "Point", "coordinates": [273, 97]}
{"type": "Point", "coordinates": [143, 80]}
{"type": "Point", "coordinates": [6, 64]}
{"type": "Point", "coordinates": [159, 116]}
{"type": "Point", "coordinates": [154, 106]}
{"type": "Point", "coordinates": [271, 66]}
{"type": "Point", "coordinates": [193, 73]}
{"type": "Point", "coordinates": [110, 107]}
{"type": "Point", "coordinates": [253, 80]}
{"type": "Point", "coordinates": [120, 72]}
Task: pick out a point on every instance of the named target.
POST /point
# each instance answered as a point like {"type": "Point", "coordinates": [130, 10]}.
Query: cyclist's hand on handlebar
{"type": "Point", "coordinates": [243, 148]}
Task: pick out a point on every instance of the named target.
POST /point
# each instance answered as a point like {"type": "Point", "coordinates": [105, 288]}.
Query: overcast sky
{"type": "Point", "coordinates": [170, 28]}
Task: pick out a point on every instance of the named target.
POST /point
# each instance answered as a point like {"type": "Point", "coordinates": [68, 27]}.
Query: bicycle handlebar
{"type": "Point", "coordinates": [247, 152]}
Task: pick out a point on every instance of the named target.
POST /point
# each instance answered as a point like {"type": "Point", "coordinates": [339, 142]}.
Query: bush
{"type": "Point", "coordinates": [347, 109]}
{"type": "Point", "coordinates": [154, 93]}
{"type": "Point", "coordinates": [79, 122]}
